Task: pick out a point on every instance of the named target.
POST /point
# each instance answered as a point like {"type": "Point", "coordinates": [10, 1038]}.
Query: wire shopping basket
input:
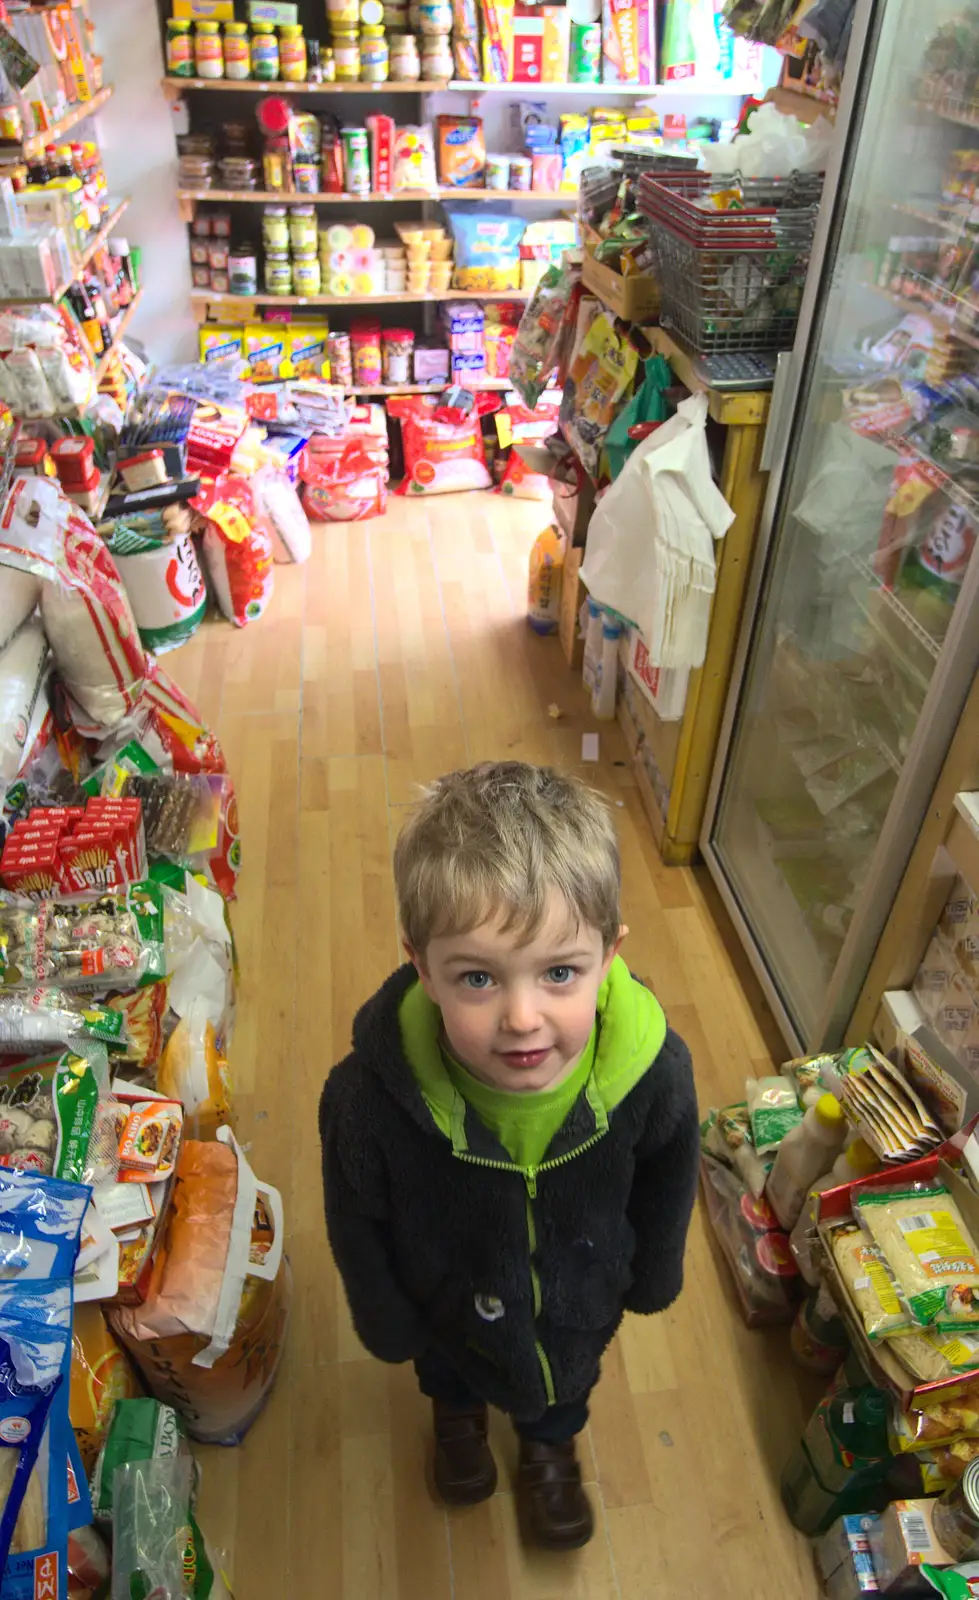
{"type": "Point", "coordinates": [731, 280]}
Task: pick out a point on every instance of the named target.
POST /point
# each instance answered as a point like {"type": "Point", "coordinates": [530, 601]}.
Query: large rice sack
{"type": "Point", "coordinates": [164, 583]}
{"type": "Point", "coordinates": [237, 549]}
{"type": "Point", "coordinates": [22, 665]}
{"type": "Point", "coordinates": [210, 1335]}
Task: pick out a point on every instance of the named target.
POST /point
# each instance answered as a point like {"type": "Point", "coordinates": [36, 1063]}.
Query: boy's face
{"type": "Point", "coordinates": [518, 1015]}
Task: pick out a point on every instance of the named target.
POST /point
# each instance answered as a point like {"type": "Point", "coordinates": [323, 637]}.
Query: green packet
{"type": "Point", "coordinates": [131, 759]}
{"type": "Point", "coordinates": [52, 1016]}
{"type": "Point", "coordinates": [48, 1108]}
{"type": "Point", "coordinates": [955, 1583]}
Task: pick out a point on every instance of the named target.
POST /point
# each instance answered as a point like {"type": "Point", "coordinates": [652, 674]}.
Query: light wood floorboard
{"type": "Point", "coordinates": [399, 651]}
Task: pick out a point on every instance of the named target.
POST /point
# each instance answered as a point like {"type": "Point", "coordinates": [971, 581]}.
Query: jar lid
{"type": "Point", "coordinates": [177, 26]}
{"type": "Point", "coordinates": [208, 27]}
{"type": "Point", "coordinates": [274, 211]}
{"type": "Point", "coordinates": [371, 11]}
{"type": "Point", "coordinates": [290, 30]}
{"type": "Point", "coordinates": [304, 211]}
{"type": "Point", "coordinates": [263, 27]}
{"type": "Point", "coordinates": [277, 255]}
{"type": "Point", "coordinates": [399, 333]}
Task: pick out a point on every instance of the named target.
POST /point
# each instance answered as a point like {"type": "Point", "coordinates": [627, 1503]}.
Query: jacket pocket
{"type": "Point", "coordinates": [584, 1281]}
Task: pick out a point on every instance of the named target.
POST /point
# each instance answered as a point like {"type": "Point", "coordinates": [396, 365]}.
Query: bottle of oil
{"type": "Point", "coordinates": [840, 1465]}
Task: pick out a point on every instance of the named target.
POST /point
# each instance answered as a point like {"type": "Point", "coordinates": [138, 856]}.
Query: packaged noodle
{"type": "Point", "coordinates": [806, 1077]}
{"type": "Point", "coordinates": [930, 1355]}
{"type": "Point", "coordinates": [773, 1109]}
{"type": "Point", "coordinates": [870, 1283]}
{"type": "Point", "coordinates": [922, 1235]}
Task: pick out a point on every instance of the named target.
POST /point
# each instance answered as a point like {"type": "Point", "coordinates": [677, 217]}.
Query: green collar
{"type": "Point", "coordinates": [631, 1031]}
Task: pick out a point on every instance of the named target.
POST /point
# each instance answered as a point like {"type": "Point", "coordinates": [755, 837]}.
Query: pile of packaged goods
{"type": "Point", "coordinates": [50, 67]}
{"type": "Point", "coordinates": [491, 41]}
{"type": "Point", "coordinates": [145, 1294]}
{"type": "Point", "coordinates": [844, 1194]}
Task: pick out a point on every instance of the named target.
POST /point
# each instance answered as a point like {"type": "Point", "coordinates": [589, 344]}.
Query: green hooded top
{"type": "Point", "coordinates": [627, 1037]}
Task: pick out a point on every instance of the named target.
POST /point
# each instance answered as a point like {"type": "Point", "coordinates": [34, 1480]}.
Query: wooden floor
{"type": "Point", "coordinates": [398, 652]}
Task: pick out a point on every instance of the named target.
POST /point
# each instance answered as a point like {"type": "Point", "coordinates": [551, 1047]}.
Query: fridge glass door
{"type": "Point", "coordinates": [876, 520]}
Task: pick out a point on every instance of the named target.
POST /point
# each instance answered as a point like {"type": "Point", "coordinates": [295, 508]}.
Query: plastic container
{"type": "Point", "coordinates": [397, 348]}
{"type": "Point", "coordinates": [818, 1338]}
{"type": "Point", "coordinates": [804, 1156]}
{"type": "Point", "coordinates": [839, 1467]}
{"type": "Point", "coordinates": [278, 272]}
{"type": "Point", "coordinates": [180, 54]}
{"type": "Point", "coordinates": [436, 58]}
{"type": "Point", "coordinates": [208, 55]}
{"type": "Point", "coordinates": [373, 55]}
{"type": "Point", "coordinates": [604, 687]}
{"type": "Point", "coordinates": [303, 230]}
{"type": "Point", "coordinates": [593, 643]}
{"type": "Point", "coordinates": [292, 54]}
{"type": "Point", "coordinates": [404, 61]}
{"type": "Point", "coordinates": [856, 1161]}
{"type": "Point", "coordinates": [365, 345]}
{"type": "Point", "coordinates": [237, 51]}
{"type": "Point", "coordinates": [342, 14]}
{"type": "Point", "coordinates": [265, 52]}
{"type": "Point", "coordinates": [956, 1516]}
{"type": "Point", "coordinates": [340, 358]}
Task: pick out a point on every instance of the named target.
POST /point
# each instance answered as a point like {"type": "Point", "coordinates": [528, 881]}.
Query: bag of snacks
{"type": "Point", "coordinates": [773, 1109]}
{"type": "Point", "coordinates": [115, 941]}
{"type": "Point", "coordinates": [921, 1234]}
{"type": "Point", "coordinates": [209, 1337]}
{"type": "Point", "coordinates": [440, 457]}
{"type": "Point", "coordinates": [601, 373]}
{"type": "Point", "coordinates": [487, 248]}
{"type": "Point", "coordinates": [194, 1071]}
{"type": "Point", "coordinates": [935, 1423]}
{"type": "Point", "coordinates": [870, 1282]}
{"type": "Point", "coordinates": [101, 1374]}
{"type": "Point", "coordinates": [48, 1111]}
{"type": "Point", "coordinates": [461, 151]}
{"type": "Point", "coordinates": [237, 549]}
{"type": "Point", "coordinates": [726, 1135]}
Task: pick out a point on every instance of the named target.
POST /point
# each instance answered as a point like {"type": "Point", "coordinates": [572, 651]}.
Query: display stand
{"type": "Point", "coordinates": [683, 751]}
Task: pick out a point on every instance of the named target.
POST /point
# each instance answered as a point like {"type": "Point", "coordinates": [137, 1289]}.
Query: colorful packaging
{"type": "Point", "coordinates": [544, 585]}
{"type": "Point", "coordinates": [461, 151]}
{"type": "Point", "coordinates": [306, 350]}
{"type": "Point", "coordinates": [237, 549]}
{"type": "Point", "coordinates": [163, 580]}
{"type": "Point", "coordinates": [219, 343]}
{"type": "Point", "coordinates": [440, 457]}
{"type": "Point", "coordinates": [497, 40]}
{"type": "Point", "coordinates": [194, 1071]}
{"type": "Point", "coordinates": [266, 352]}
{"type": "Point", "coordinates": [601, 373]}
{"type": "Point", "coordinates": [487, 248]}
{"type": "Point", "coordinates": [101, 1374]}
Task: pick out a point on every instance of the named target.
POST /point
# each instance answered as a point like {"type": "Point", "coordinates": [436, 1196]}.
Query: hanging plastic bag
{"type": "Point", "coordinates": [536, 349]}
{"type": "Point", "coordinates": [601, 374]}
{"type": "Point", "coordinates": [648, 404]}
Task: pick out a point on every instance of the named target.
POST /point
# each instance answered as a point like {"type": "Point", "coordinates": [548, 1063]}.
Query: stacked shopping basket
{"type": "Point", "coordinates": [731, 255]}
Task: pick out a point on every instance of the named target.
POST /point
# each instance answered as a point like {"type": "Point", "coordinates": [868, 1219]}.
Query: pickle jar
{"type": "Point", "coordinates": [237, 54]}
{"type": "Point", "coordinates": [208, 56]}
{"type": "Point", "coordinates": [180, 51]}
{"type": "Point", "coordinates": [278, 272]}
{"type": "Point", "coordinates": [275, 228]}
{"type": "Point", "coordinates": [265, 52]}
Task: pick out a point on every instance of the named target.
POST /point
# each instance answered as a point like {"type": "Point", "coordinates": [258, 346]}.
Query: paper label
{"type": "Point", "coordinates": [877, 1275]}
{"type": "Point", "coordinates": [936, 1241]}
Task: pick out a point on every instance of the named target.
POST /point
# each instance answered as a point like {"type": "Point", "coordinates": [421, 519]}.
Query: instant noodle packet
{"type": "Point", "coordinates": [924, 1239]}
{"type": "Point", "coordinates": [870, 1283]}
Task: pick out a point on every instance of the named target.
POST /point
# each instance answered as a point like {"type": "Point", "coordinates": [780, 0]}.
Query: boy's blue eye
{"type": "Point", "coordinates": [560, 974]}
{"type": "Point", "coordinates": [476, 980]}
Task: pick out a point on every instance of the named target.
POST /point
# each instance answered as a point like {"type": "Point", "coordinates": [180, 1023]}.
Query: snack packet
{"type": "Point", "coordinates": [727, 1135]}
{"type": "Point", "coordinates": [870, 1283]}
{"type": "Point", "coordinates": [935, 1424]}
{"type": "Point", "coordinates": [114, 941]}
{"type": "Point", "coordinates": [923, 1237]}
{"type": "Point", "coordinates": [930, 1355]}
{"type": "Point", "coordinates": [773, 1109]}
{"type": "Point", "coordinates": [53, 1016]}
{"type": "Point", "coordinates": [48, 1108]}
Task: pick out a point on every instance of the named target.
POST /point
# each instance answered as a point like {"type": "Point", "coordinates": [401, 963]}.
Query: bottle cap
{"type": "Point", "coordinates": [828, 1110]}
{"type": "Point", "coordinates": [872, 1407]}
{"type": "Point", "coordinates": [861, 1157]}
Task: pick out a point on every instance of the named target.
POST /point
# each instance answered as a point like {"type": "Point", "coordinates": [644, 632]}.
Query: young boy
{"type": "Point", "coordinates": [510, 1150]}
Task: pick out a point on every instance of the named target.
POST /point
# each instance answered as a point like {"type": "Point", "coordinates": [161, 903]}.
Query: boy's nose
{"type": "Point", "coordinates": [521, 1014]}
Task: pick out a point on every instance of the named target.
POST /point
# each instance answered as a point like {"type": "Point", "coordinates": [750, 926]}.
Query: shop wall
{"type": "Point", "coordinates": [136, 131]}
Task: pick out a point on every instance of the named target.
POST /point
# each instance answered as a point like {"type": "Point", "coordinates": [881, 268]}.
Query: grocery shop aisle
{"type": "Point", "coordinates": [399, 651]}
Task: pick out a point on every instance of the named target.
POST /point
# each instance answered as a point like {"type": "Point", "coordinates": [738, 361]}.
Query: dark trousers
{"type": "Point", "coordinates": [440, 1381]}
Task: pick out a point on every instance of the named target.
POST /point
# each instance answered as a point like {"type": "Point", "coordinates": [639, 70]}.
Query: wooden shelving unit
{"type": "Point", "coordinates": [277, 197]}
{"type": "Point", "coordinates": [239, 305]}
{"type": "Point", "coordinates": [121, 326]}
{"type": "Point", "coordinates": [34, 143]}
{"type": "Point", "coordinates": [174, 87]}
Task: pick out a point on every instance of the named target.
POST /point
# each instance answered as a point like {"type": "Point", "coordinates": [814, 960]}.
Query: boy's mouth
{"type": "Point", "coordinates": [524, 1058]}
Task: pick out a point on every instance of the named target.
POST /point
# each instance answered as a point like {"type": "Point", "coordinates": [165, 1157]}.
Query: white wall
{"type": "Point", "coordinates": [136, 136]}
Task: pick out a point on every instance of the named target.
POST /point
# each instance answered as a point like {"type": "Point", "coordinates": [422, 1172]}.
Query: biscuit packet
{"type": "Point", "coordinates": [870, 1283]}
{"type": "Point", "coordinates": [924, 1239]}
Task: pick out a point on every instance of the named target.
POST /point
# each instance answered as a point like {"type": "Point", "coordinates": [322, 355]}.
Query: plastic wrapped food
{"type": "Point", "coordinates": [870, 1283]}
{"type": "Point", "coordinates": [280, 505]}
{"type": "Point", "coordinates": [923, 1237]}
{"type": "Point", "coordinates": [101, 1374]}
{"type": "Point", "coordinates": [194, 1071]}
{"type": "Point", "coordinates": [727, 1135]}
{"type": "Point", "coordinates": [48, 1110]}
{"type": "Point", "coordinates": [536, 349]}
{"type": "Point", "coordinates": [237, 549]}
{"type": "Point", "coordinates": [936, 1423]}
{"type": "Point", "coordinates": [52, 1016]}
{"type": "Point", "coordinates": [40, 1225]}
{"type": "Point", "coordinates": [806, 1077]}
{"type": "Point", "coordinates": [487, 248]}
{"type": "Point", "coordinates": [440, 457]}
{"type": "Point", "coordinates": [765, 1275]}
{"type": "Point", "coordinates": [116, 940]}
{"type": "Point", "coordinates": [773, 1110]}
{"type": "Point", "coordinates": [931, 1355]}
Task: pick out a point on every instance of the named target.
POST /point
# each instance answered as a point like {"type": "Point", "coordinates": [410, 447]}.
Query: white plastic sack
{"type": "Point", "coordinates": [277, 499]}
{"type": "Point", "coordinates": [650, 549]}
{"type": "Point", "coordinates": [22, 666]}
{"type": "Point", "coordinates": [19, 594]}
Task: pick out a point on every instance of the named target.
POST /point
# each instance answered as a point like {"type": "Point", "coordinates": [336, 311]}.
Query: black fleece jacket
{"type": "Point", "coordinates": [520, 1285]}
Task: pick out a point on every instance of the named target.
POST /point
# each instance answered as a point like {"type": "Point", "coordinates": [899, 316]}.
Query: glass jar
{"type": "Point", "coordinates": [342, 14]}
{"type": "Point", "coordinates": [346, 54]}
{"type": "Point", "coordinates": [365, 344]}
{"type": "Point", "coordinates": [180, 53]}
{"type": "Point", "coordinates": [292, 54]}
{"type": "Point", "coordinates": [306, 274]}
{"type": "Point", "coordinates": [265, 52]}
{"type": "Point", "coordinates": [278, 272]}
{"type": "Point", "coordinates": [395, 18]}
{"type": "Point", "coordinates": [275, 228]}
{"type": "Point", "coordinates": [237, 54]}
{"type": "Point", "coordinates": [373, 55]}
{"type": "Point", "coordinates": [956, 1516]}
{"type": "Point", "coordinates": [208, 57]}
{"type": "Point", "coordinates": [436, 57]}
{"type": "Point", "coordinates": [405, 62]}
{"type": "Point", "coordinates": [303, 232]}
{"type": "Point", "coordinates": [435, 17]}
{"type": "Point", "coordinates": [328, 66]}
{"type": "Point", "coordinates": [397, 345]}
{"type": "Point", "coordinates": [243, 270]}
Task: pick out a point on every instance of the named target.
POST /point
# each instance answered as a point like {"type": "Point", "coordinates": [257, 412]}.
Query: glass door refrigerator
{"type": "Point", "coordinates": [861, 633]}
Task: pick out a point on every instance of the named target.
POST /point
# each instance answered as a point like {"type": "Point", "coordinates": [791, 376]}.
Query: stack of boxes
{"type": "Point", "coordinates": [61, 850]}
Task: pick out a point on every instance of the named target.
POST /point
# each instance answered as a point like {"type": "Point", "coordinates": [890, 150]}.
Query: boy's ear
{"type": "Point", "coordinates": [418, 962]}
{"type": "Point", "coordinates": [617, 944]}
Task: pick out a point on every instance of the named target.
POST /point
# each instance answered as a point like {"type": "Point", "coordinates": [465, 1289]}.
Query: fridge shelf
{"type": "Point", "coordinates": [929, 308]}
{"type": "Point", "coordinates": [889, 600]}
{"type": "Point", "coordinates": [963, 112]}
{"type": "Point", "coordinates": [954, 225]}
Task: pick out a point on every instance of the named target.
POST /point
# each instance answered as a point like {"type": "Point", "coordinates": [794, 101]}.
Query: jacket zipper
{"type": "Point", "coordinates": [529, 1175]}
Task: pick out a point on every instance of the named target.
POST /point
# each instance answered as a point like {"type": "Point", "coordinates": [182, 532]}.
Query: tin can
{"type": "Point", "coordinates": [356, 161]}
{"type": "Point", "coordinates": [243, 270]}
{"type": "Point", "coordinates": [521, 168]}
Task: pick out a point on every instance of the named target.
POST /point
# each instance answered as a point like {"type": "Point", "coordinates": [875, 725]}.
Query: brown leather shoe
{"type": "Point", "coordinates": [465, 1471]}
{"type": "Point", "coordinates": [554, 1508]}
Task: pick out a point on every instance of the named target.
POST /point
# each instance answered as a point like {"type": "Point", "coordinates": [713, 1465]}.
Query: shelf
{"type": "Point", "coordinates": [966, 116]}
{"type": "Point", "coordinates": [598, 91]}
{"type": "Point", "coordinates": [121, 326]}
{"type": "Point", "coordinates": [927, 308]}
{"type": "Point", "coordinates": [275, 197]}
{"type": "Point", "coordinates": [242, 304]}
{"type": "Point", "coordinates": [280, 86]}
{"type": "Point", "coordinates": [889, 607]}
{"type": "Point", "coordinates": [36, 142]}
{"type": "Point", "coordinates": [91, 249]}
{"type": "Point", "coordinates": [481, 386]}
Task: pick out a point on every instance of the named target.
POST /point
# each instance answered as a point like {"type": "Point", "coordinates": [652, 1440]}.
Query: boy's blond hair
{"type": "Point", "coordinates": [492, 841]}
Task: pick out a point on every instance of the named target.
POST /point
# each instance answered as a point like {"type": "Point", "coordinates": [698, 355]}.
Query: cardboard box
{"type": "Point", "coordinates": [843, 1558]}
{"type": "Point", "coordinates": [628, 43]}
{"type": "Point", "coordinates": [573, 595]}
{"type": "Point", "coordinates": [204, 10]}
{"type": "Point", "coordinates": [902, 1540]}
{"type": "Point", "coordinates": [634, 299]}
{"type": "Point", "coordinates": [283, 13]}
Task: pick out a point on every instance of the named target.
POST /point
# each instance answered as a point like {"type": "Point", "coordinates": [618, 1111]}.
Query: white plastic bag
{"type": "Point", "coordinates": [650, 549]}
{"type": "Point", "coordinates": [282, 508]}
{"type": "Point", "coordinates": [22, 666]}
